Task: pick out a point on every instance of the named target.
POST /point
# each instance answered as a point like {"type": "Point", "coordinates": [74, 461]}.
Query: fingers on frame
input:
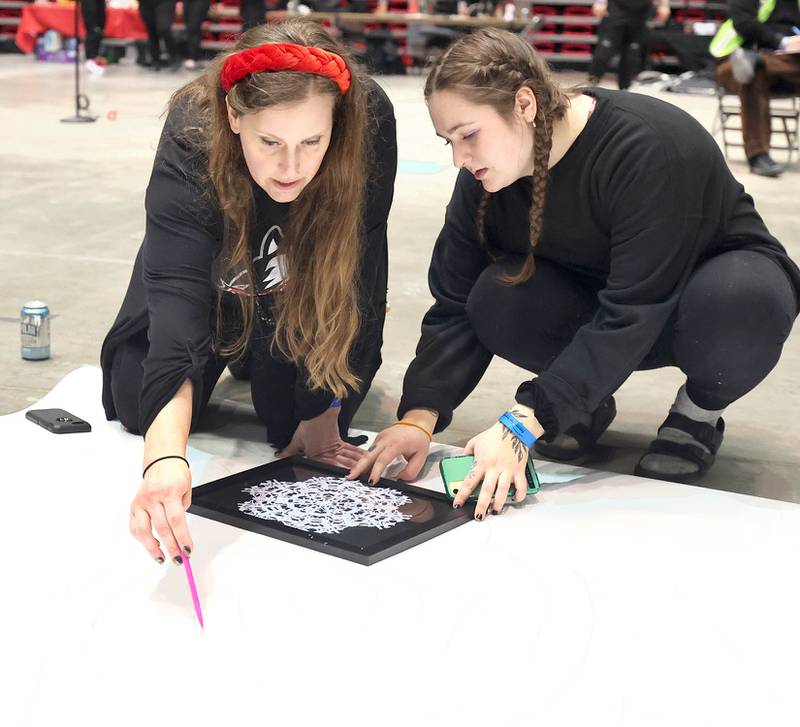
{"type": "Point", "coordinates": [384, 459]}
{"type": "Point", "coordinates": [366, 460]}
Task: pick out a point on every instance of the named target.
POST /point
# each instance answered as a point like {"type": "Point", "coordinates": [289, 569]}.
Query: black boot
{"type": "Point", "coordinates": [765, 166]}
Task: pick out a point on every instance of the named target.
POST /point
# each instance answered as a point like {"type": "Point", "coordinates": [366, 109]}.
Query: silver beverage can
{"type": "Point", "coordinates": [35, 330]}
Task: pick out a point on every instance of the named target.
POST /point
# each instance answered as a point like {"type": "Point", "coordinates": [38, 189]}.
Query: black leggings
{"type": "Point", "coordinates": [272, 387]}
{"type": "Point", "coordinates": [621, 32]}
{"type": "Point", "coordinates": [158, 17]}
{"type": "Point", "coordinates": [726, 334]}
{"type": "Point", "coordinates": [94, 18]}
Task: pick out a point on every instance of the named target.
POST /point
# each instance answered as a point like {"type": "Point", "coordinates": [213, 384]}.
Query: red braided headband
{"type": "Point", "coordinates": [285, 57]}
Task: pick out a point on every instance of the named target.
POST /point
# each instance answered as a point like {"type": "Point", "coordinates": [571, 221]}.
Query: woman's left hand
{"type": "Point", "coordinates": [500, 461]}
{"type": "Point", "coordinates": [319, 439]}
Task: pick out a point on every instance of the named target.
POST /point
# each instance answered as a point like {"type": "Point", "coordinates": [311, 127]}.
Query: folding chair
{"type": "Point", "coordinates": [784, 112]}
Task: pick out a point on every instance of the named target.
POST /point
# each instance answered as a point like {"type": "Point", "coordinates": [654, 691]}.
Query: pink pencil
{"type": "Point", "coordinates": [193, 589]}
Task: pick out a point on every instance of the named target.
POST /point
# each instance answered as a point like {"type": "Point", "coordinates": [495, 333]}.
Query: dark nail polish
{"type": "Point", "coordinates": [187, 550]}
{"type": "Point", "coordinates": [478, 516]}
{"type": "Point", "coordinates": [160, 560]}
{"type": "Point", "coordinates": [456, 506]}
{"type": "Point", "coordinates": [178, 560]}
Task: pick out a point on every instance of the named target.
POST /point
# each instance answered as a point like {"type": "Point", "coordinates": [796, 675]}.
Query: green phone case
{"type": "Point", "coordinates": [455, 469]}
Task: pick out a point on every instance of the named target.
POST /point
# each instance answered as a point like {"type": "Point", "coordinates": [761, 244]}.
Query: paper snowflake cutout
{"type": "Point", "coordinates": [325, 504]}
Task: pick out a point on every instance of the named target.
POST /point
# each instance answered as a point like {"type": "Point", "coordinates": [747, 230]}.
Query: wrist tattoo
{"type": "Point", "coordinates": [518, 414]}
{"type": "Point", "coordinates": [519, 448]}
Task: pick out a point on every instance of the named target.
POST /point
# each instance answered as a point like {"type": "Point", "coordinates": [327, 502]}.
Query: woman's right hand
{"type": "Point", "coordinates": [400, 439]}
{"type": "Point", "coordinates": [791, 44]}
{"type": "Point", "coordinates": [161, 505]}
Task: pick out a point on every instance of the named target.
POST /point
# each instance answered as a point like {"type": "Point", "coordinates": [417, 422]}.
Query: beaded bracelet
{"type": "Point", "coordinates": [418, 426]}
{"type": "Point", "coordinates": [166, 456]}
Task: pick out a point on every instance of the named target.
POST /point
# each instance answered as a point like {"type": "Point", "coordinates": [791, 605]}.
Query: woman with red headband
{"type": "Point", "coordinates": [265, 242]}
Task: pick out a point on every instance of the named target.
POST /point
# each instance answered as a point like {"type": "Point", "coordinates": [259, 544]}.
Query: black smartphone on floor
{"type": "Point", "coordinates": [58, 421]}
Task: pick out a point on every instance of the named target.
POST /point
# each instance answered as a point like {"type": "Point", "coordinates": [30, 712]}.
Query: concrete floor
{"type": "Point", "coordinates": [73, 217]}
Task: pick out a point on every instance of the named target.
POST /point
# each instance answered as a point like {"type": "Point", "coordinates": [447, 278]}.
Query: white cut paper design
{"type": "Point", "coordinates": [325, 504]}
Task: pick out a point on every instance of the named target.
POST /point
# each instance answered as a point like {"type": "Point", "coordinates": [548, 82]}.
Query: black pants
{"type": "Point", "coordinates": [94, 18]}
{"type": "Point", "coordinates": [622, 31]}
{"type": "Point", "coordinates": [726, 334]}
{"type": "Point", "coordinates": [272, 385]}
{"type": "Point", "coordinates": [252, 12]}
{"type": "Point", "coordinates": [158, 17]}
{"type": "Point", "coordinates": [194, 14]}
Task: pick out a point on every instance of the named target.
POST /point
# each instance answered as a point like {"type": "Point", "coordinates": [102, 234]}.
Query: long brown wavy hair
{"type": "Point", "coordinates": [488, 67]}
{"type": "Point", "coordinates": [317, 314]}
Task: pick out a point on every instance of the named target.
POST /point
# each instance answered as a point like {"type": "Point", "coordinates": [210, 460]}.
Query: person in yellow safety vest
{"type": "Point", "coordinates": [759, 48]}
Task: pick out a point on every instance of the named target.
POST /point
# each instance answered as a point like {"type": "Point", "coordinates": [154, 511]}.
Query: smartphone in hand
{"type": "Point", "coordinates": [58, 421]}
{"type": "Point", "coordinates": [455, 469]}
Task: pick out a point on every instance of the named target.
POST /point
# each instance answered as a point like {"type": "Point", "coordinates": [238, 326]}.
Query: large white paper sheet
{"type": "Point", "coordinates": [604, 600]}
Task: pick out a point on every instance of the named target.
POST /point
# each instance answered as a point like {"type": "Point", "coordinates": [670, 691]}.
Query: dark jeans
{"type": "Point", "coordinates": [194, 14]}
{"type": "Point", "coordinates": [726, 334]}
{"type": "Point", "coordinates": [94, 18]}
{"type": "Point", "coordinates": [158, 17]}
{"type": "Point", "coordinates": [620, 32]}
{"type": "Point", "coordinates": [272, 388]}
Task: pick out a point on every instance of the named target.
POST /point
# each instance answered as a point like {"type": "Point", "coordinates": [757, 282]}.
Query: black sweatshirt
{"type": "Point", "coordinates": [175, 283]}
{"type": "Point", "coordinates": [744, 14]}
{"type": "Point", "coordinates": [641, 198]}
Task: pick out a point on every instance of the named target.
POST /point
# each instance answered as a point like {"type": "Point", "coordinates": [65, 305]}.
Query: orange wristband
{"type": "Point", "coordinates": [418, 426]}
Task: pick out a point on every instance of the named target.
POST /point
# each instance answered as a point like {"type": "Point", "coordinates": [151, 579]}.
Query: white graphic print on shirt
{"type": "Point", "coordinates": [269, 268]}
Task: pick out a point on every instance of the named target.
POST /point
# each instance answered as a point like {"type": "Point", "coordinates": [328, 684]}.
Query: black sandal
{"type": "Point", "coordinates": [586, 437]}
{"type": "Point", "coordinates": [704, 433]}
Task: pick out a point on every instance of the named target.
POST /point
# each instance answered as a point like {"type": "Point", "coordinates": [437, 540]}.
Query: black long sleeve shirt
{"type": "Point", "coordinates": [744, 14]}
{"type": "Point", "coordinates": [641, 198]}
{"type": "Point", "coordinates": [175, 283]}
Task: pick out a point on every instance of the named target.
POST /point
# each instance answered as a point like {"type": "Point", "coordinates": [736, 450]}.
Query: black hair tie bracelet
{"type": "Point", "coordinates": [166, 456]}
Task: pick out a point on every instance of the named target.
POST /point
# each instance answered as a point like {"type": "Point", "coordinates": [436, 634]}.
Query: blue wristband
{"type": "Point", "coordinates": [336, 404]}
{"type": "Point", "coordinates": [517, 428]}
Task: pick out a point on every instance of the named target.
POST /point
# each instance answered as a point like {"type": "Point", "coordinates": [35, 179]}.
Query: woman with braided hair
{"type": "Point", "coordinates": [265, 240]}
{"type": "Point", "coordinates": [590, 234]}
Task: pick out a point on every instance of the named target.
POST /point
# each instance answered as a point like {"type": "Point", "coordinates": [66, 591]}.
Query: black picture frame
{"type": "Point", "coordinates": [434, 513]}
